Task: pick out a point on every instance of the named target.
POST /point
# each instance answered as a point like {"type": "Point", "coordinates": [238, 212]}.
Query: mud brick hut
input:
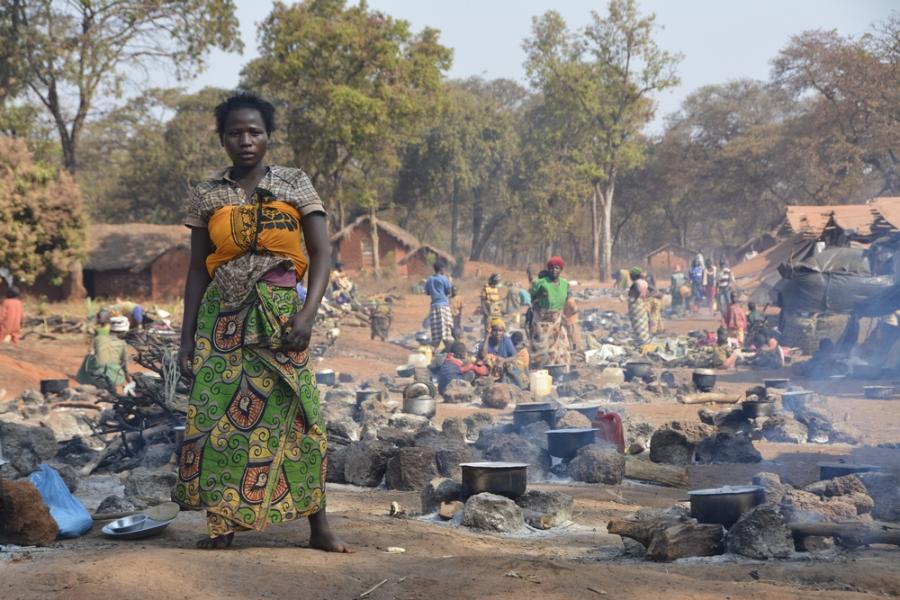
{"type": "Point", "coordinates": [664, 259]}
{"type": "Point", "coordinates": [354, 248]}
{"type": "Point", "coordinates": [138, 260]}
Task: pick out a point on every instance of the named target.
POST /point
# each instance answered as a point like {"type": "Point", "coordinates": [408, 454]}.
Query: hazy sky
{"type": "Point", "coordinates": [720, 39]}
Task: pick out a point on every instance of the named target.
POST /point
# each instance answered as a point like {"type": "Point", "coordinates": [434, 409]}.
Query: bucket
{"type": "Point", "coordinates": [541, 383]}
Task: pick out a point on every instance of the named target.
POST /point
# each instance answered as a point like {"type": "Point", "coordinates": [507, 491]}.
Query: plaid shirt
{"type": "Point", "coordinates": [237, 278]}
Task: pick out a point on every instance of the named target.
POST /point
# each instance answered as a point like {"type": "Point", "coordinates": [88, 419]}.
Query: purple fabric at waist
{"type": "Point", "coordinates": [281, 276]}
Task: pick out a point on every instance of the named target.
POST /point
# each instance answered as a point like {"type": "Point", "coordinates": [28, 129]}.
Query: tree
{"type": "Point", "coordinates": [41, 218]}
{"type": "Point", "coordinates": [603, 78]}
{"type": "Point", "coordinates": [356, 85]}
{"type": "Point", "coordinates": [68, 53]}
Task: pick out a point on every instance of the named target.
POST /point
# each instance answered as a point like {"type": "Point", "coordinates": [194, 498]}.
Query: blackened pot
{"type": "Point", "coordinates": [364, 394]}
{"type": "Point", "coordinates": [53, 386]}
{"type": "Point", "coordinates": [558, 372]}
{"type": "Point", "coordinates": [832, 470]}
{"type": "Point", "coordinates": [326, 377]}
{"type": "Point", "coordinates": [779, 383]}
{"type": "Point", "coordinates": [565, 443]}
{"type": "Point", "coordinates": [725, 505]}
{"type": "Point", "coordinates": [637, 369]}
{"type": "Point", "coordinates": [704, 379]}
{"type": "Point", "coordinates": [527, 416]}
{"type": "Point", "coordinates": [502, 478]}
{"type": "Point", "coordinates": [757, 408]}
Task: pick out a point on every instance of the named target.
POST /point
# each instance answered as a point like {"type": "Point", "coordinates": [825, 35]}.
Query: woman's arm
{"type": "Point", "coordinates": [194, 288]}
{"type": "Point", "coordinates": [315, 233]}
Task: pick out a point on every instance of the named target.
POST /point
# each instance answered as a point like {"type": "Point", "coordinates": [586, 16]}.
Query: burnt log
{"type": "Point", "coordinates": [850, 534]}
{"type": "Point", "coordinates": [661, 474]}
{"type": "Point", "coordinates": [686, 539]}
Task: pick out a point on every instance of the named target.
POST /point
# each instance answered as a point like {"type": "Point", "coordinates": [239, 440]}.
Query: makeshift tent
{"type": "Point", "coordinates": [758, 276]}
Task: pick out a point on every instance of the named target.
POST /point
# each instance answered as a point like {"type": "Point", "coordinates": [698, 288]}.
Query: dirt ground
{"type": "Point", "coordinates": [445, 561]}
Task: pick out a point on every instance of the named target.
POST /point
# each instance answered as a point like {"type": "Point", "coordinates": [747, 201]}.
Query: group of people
{"type": "Point", "coordinates": [704, 285]}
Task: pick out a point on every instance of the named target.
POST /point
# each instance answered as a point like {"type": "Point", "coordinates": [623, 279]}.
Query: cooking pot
{"type": "Point", "coordinates": [725, 505]}
{"type": "Point", "coordinates": [418, 399]}
{"type": "Point", "coordinates": [796, 400]}
{"type": "Point", "coordinates": [53, 386]}
{"type": "Point", "coordinates": [832, 470]}
{"type": "Point", "coordinates": [325, 377]}
{"type": "Point", "coordinates": [565, 443]}
{"type": "Point", "coordinates": [779, 383]}
{"type": "Point", "coordinates": [544, 411]}
{"type": "Point", "coordinates": [704, 379]}
{"type": "Point", "coordinates": [588, 410]}
{"type": "Point", "coordinates": [364, 394]}
{"type": "Point", "coordinates": [501, 478]}
{"type": "Point", "coordinates": [406, 371]}
{"type": "Point", "coordinates": [878, 392]}
{"type": "Point", "coordinates": [423, 338]}
{"type": "Point", "coordinates": [557, 372]}
{"type": "Point", "coordinates": [758, 408]}
{"type": "Point", "coordinates": [636, 369]}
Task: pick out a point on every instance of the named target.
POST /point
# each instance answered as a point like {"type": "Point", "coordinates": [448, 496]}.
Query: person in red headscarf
{"type": "Point", "coordinates": [549, 338]}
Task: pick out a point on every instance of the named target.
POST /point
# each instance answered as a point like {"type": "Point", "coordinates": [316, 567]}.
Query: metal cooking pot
{"type": "Point", "coordinates": [502, 478]}
{"type": "Point", "coordinates": [523, 418]}
{"type": "Point", "coordinates": [796, 400]}
{"type": "Point", "coordinates": [637, 369]}
{"type": "Point", "coordinates": [725, 505]}
{"type": "Point", "coordinates": [53, 386]}
{"type": "Point", "coordinates": [557, 372]}
{"type": "Point", "coordinates": [832, 470]}
{"type": "Point", "coordinates": [406, 371]}
{"type": "Point", "coordinates": [757, 408]}
{"type": "Point", "coordinates": [704, 379]}
{"type": "Point", "coordinates": [365, 394]}
{"type": "Point", "coordinates": [779, 383]}
{"type": "Point", "coordinates": [418, 399]}
{"type": "Point", "coordinates": [565, 443]}
{"type": "Point", "coordinates": [326, 377]}
{"type": "Point", "coordinates": [423, 338]}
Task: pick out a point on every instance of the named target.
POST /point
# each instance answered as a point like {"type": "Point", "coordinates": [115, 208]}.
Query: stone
{"type": "Point", "coordinates": [410, 469]}
{"type": "Point", "coordinates": [544, 510]}
{"type": "Point", "coordinates": [454, 427]}
{"type": "Point", "coordinates": [761, 533]}
{"type": "Point", "coordinates": [342, 432]}
{"type": "Point", "coordinates": [438, 491]}
{"type": "Point", "coordinates": [373, 413]}
{"type": "Point", "coordinates": [573, 420]}
{"type": "Point", "coordinates": [675, 443]}
{"type": "Point", "coordinates": [448, 455]}
{"type": "Point", "coordinates": [75, 452]}
{"type": "Point", "coordinates": [885, 492]}
{"type": "Point", "coordinates": [597, 464]}
{"type": "Point", "coordinates": [772, 484]}
{"type": "Point", "coordinates": [636, 430]}
{"type": "Point", "coordinates": [490, 512]}
{"type": "Point", "coordinates": [69, 475]}
{"type": "Point", "coordinates": [339, 395]}
{"type": "Point", "coordinates": [784, 428]}
{"type": "Point", "coordinates": [633, 548]}
{"type": "Point", "coordinates": [476, 422]}
{"type": "Point", "coordinates": [408, 422]}
{"type": "Point", "coordinates": [158, 455]}
{"type": "Point", "coordinates": [727, 448]}
{"type": "Point", "coordinates": [24, 518]}
{"type": "Point", "coordinates": [459, 391]}
{"type": "Point", "coordinates": [510, 447]}
{"type": "Point", "coordinates": [500, 395]}
{"type": "Point", "coordinates": [366, 462]}
{"type": "Point", "coordinates": [611, 393]}
{"type": "Point", "coordinates": [145, 487]}
{"type": "Point", "coordinates": [25, 447]}
{"type": "Point", "coordinates": [863, 503]}
{"type": "Point", "coordinates": [449, 510]}
{"type": "Point", "coordinates": [336, 461]}
{"type": "Point", "coordinates": [67, 424]}
{"type": "Point", "coordinates": [799, 506]}
{"type": "Point", "coordinates": [114, 505]}
{"type": "Point", "coordinates": [839, 486]}
{"type": "Point", "coordinates": [401, 438]}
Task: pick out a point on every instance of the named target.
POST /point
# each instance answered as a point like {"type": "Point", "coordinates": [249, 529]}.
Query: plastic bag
{"type": "Point", "coordinates": [69, 514]}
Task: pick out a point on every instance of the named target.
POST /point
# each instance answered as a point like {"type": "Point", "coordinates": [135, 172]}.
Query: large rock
{"type": "Point", "coordinates": [500, 395]}
{"type": "Point", "coordinates": [438, 491]}
{"type": "Point", "coordinates": [410, 469]}
{"type": "Point", "coordinates": [24, 518]}
{"type": "Point", "coordinates": [773, 486]}
{"type": "Point", "coordinates": [25, 448]}
{"type": "Point", "coordinates": [115, 505]}
{"type": "Point", "coordinates": [409, 422]}
{"type": "Point", "coordinates": [885, 491]}
{"type": "Point", "coordinates": [366, 462]}
{"type": "Point", "coordinates": [510, 447]}
{"type": "Point", "coordinates": [726, 448]}
{"type": "Point", "coordinates": [68, 424]}
{"type": "Point", "coordinates": [476, 422]}
{"type": "Point", "coordinates": [598, 464]}
{"type": "Point", "coordinates": [637, 430]}
{"type": "Point", "coordinates": [573, 420]}
{"type": "Point", "coordinates": [761, 533]}
{"type": "Point", "coordinates": [459, 391]}
{"type": "Point", "coordinates": [675, 443]}
{"type": "Point", "coordinates": [336, 462]}
{"type": "Point", "coordinates": [454, 427]}
{"type": "Point", "coordinates": [798, 506]}
{"type": "Point", "coordinates": [401, 438]}
{"type": "Point", "coordinates": [145, 487]}
{"type": "Point", "coordinates": [490, 512]}
{"type": "Point", "coordinates": [544, 510]}
{"type": "Point", "coordinates": [784, 428]}
{"type": "Point", "coordinates": [448, 455]}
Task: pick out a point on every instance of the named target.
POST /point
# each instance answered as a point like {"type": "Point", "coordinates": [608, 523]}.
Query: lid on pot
{"type": "Point", "coordinates": [704, 372]}
{"type": "Point", "coordinates": [325, 372]}
{"type": "Point", "coordinates": [727, 490]}
{"type": "Point", "coordinates": [582, 406]}
{"type": "Point", "coordinates": [493, 465]}
{"type": "Point", "coordinates": [572, 430]}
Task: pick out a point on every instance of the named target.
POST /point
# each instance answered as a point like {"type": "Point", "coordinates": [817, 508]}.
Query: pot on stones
{"type": "Point", "coordinates": [565, 443]}
{"type": "Point", "coordinates": [704, 379]}
{"type": "Point", "coordinates": [557, 372]}
{"type": "Point", "coordinates": [326, 377]}
{"type": "Point", "coordinates": [501, 478]}
{"type": "Point", "coordinates": [53, 386]}
{"type": "Point", "coordinates": [364, 394]}
{"type": "Point", "coordinates": [725, 505]}
{"type": "Point", "coordinates": [796, 400]}
{"type": "Point", "coordinates": [423, 338]}
{"type": "Point", "coordinates": [406, 371]}
{"type": "Point", "coordinates": [758, 408]}
{"type": "Point", "coordinates": [588, 410]}
{"type": "Point", "coordinates": [779, 383]}
{"type": "Point", "coordinates": [418, 399]}
{"type": "Point", "coordinates": [636, 369]}
{"type": "Point", "coordinates": [878, 392]}
{"type": "Point", "coordinates": [832, 470]}
{"type": "Point", "coordinates": [532, 412]}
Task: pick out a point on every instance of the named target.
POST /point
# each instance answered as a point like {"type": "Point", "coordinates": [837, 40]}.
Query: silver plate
{"type": "Point", "coordinates": [149, 529]}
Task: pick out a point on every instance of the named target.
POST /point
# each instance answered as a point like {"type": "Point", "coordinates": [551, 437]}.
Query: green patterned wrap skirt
{"type": "Point", "coordinates": [254, 445]}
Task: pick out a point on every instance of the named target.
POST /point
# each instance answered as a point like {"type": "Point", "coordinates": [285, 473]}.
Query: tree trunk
{"type": "Point", "coordinates": [595, 232]}
{"type": "Point", "coordinates": [605, 235]}
{"type": "Point", "coordinates": [486, 231]}
{"type": "Point", "coordinates": [373, 223]}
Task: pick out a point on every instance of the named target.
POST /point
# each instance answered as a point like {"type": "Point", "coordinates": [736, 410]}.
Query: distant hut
{"type": "Point", "coordinates": [664, 259]}
{"type": "Point", "coordinates": [353, 246]}
{"type": "Point", "coordinates": [137, 260]}
{"type": "Point", "coordinates": [420, 262]}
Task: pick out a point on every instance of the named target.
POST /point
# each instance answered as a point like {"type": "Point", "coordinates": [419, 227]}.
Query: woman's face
{"type": "Point", "coordinates": [245, 139]}
{"type": "Point", "coordinates": [555, 270]}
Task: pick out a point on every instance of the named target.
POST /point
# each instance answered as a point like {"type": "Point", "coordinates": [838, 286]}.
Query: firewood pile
{"type": "Point", "coordinates": [55, 324]}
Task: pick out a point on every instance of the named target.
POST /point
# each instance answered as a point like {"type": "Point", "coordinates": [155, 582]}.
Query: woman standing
{"type": "Point", "coordinates": [254, 448]}
{"type": "Point", "coordinates": [549, 340]}
{"type": "Point", "coordinates": [638, 310]}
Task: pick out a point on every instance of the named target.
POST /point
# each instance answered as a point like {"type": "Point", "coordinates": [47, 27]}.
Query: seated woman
{"type": "Point", "coordinates": [457, 366]}
{"type": "Point", "coordinates": [769, 355]}
{"type": "Point", "coordinates": [106, 364]}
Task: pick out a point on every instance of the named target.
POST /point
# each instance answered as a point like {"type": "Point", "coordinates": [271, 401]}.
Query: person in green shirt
{"type": "Point", "coordinates": [106, 364]}
{"type": "Point", "coordinates": [549, 339]}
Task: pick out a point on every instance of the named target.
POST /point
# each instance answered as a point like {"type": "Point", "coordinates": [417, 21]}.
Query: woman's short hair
{"type": "Point", "coordinates": [245, 100]}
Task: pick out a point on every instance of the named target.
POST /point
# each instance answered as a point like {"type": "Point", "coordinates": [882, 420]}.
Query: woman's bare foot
{"type": "Point", "coordinates": [322, 538]}
{"type": "Point", "coordinates": [219, 542]}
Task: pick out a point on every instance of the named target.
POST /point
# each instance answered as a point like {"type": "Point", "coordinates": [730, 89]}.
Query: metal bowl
{"type": "Point", "coordinates": [127, 524]}
{"type": "Point", "coordinates": [424, 406]}
{"type": "Point", "coordinates": [502, 478]}
{"type": "Point", "coordinates": [725, 505]}
{"type": "Point", "coordinates": [406, 371]}
{"type": "Point", "coordinates": [149, 528]}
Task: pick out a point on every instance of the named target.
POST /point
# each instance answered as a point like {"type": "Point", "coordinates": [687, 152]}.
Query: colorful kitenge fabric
{"type": "Point", "coordinates": [441, 320]}
{"type": "Point", "coordinates": [254, 447]}
{"type": "Point", "coordinates": [639, 314]}
{"type": "Point", "coordinates": [549, 339]}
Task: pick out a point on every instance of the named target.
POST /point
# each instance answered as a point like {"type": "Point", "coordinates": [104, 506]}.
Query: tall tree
{"type": "Point", "coordinates": [604, 76]}
{"type": "Point", "coordinates": [356, 84]}
{"type": "Point", "coordinates": [68, 53]}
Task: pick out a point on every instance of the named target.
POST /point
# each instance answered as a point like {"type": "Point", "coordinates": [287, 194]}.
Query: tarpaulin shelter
{"type": "Point", "coordinates": [759, 275]}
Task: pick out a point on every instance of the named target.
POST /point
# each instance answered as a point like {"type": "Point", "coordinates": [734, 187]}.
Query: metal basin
{"type": "Point", "coordinates": [558, 372]}
{"type": "Point", "coordinates": [128, 524]}
{"type": "Point", "coordinates": [148, 528]}
{"type": "Point", "coordinates": [832, 470]}
{"type": "Point", "coordinates": [565, 443]}
{"type": "Point", "coordinates": [501, 478]}
{"type": "Point", "coordinates": [725, 505]}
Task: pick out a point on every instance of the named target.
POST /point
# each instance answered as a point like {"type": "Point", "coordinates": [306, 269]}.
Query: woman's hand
{"type": "Point", "coordinates": [300, 333]}
{"type": "Point", "coordinates": [185, 358]}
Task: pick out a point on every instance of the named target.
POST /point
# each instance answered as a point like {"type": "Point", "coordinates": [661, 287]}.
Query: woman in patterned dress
{"type": "Point", "coordinates": [254, 451]}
